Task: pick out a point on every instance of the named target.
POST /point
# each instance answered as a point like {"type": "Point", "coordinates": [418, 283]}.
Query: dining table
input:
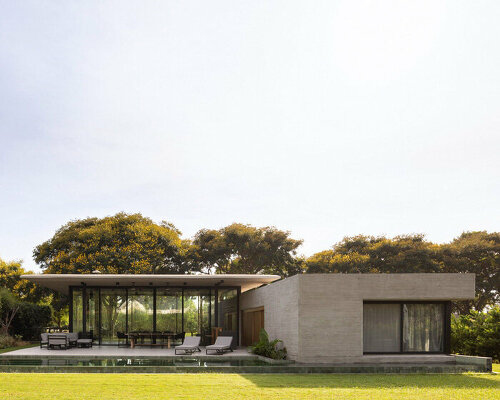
{"type": "Point", "coordinates": [134, 337]}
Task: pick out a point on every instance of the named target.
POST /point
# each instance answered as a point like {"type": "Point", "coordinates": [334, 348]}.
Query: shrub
{"type": "Point", "coordinates": [21, 318]}
{"type": "Point", "coordinates": [477, 333]}
{"type": "Point", "coordinates": [30, 320]}
{"type": "Point", "coordinates": [267, 348]}
{"type": "Point", "coordinates": [7, 341]}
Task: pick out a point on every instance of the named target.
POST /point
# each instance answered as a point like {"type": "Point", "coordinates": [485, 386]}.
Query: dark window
{"type": "Point", "coordinates": [407, 327]}
{"type": "Point", "coordinates": [382, 328]}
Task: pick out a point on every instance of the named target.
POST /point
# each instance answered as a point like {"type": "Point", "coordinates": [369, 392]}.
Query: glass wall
{"type": "Point", "coordinates": [106, 313]}
{"type": "Point", "coordinates": [403, 327]}
{"type": "Point", "coordinates": [140, 310]}
{"type": "Point", "coordinates": [77, 322]}
{"type": "Point", "coordinates": [169, 310]}
{"type": "Point", "coordinates": [92, 312]}
{"type": "Point", "coordinates": [113, 314]}
{"type": "Point", "coordinates": [382, 328]}
{"type": "Point", "coordinates": [423, 327]}
{"type": "Point", "coordinates": [198, 314]}
{"type": "Point", "coordinates": [227, 312]}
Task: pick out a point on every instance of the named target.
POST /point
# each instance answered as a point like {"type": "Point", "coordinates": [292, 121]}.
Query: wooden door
{"type": "Point", "coordinates": [252, 323]}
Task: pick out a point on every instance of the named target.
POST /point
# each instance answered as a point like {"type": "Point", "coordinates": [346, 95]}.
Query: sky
{"type": "Point", "coordinates": [324, 118]}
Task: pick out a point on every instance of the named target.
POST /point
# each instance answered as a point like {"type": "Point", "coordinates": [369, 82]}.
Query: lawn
{"type": "Point", "coordinates": [17, 348]}
{"type": "Point", "coordinates": [262, 387]}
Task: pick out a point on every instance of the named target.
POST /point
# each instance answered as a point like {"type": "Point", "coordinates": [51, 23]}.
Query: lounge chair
{"type": "Point", "coordinates": [44, 340]}
{"type": "Point", "coordinates": [60, 340]}
{"type": "Point", "coordinates": [221, 345]}
{"type": "Point", "coordinates": [190, 345]}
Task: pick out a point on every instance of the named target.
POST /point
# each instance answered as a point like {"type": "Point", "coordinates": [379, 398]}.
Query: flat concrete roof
{"type": "Point", "coordinates": [62, 282]}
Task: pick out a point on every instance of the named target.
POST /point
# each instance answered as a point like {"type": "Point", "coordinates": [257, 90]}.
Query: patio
{"type": "Point", "coordinates": [119, 352]}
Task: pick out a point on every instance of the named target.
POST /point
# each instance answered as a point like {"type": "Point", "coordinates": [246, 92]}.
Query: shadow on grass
{"type": "Point", "coordinates": [380, 381]}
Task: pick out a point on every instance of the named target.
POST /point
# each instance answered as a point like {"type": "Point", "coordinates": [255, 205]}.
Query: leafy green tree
{"type": "Point", "coordinates": [9, 306]}
{"type": "Point", "coordinates": [365, 254]}
{"type": "Point", "coordinates": [10, 278]}
{"type": "Point", "coordinates": [244, 249]}
{"type": "Point", "coordinates": [123, 243]}
{"type": "Point", "coordinates": [477, 333]}
{"type": "Point", "coordinates": [477, 252]}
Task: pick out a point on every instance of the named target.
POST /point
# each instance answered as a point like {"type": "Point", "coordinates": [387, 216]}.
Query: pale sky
{"type": "Point", "coordinates": [325, 118]}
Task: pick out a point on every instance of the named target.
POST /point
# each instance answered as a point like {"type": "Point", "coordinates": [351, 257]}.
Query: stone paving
{"type": "Point", "coordinates": [115, 351]}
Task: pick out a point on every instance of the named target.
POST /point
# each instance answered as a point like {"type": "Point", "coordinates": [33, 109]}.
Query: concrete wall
{"type": "Point", "coordinates": [281, 311]}
{"type": "Point", "coordinates": [320, 316]}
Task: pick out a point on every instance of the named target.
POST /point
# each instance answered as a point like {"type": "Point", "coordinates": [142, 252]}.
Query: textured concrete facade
{"type": "Point", "coordinates": [320, 316]}
{"type": "Point", "coordinates": [281, 311]}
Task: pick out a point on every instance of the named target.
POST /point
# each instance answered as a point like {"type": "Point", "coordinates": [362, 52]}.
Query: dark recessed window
{"type": "Point", "coordinates": [403, 327]}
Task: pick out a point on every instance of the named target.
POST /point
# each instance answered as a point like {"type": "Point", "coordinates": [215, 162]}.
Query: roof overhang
{"type": "Point", "coordinates": [62, 282]}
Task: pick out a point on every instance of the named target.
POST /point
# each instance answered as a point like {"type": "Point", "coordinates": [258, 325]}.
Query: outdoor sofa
{"type": "Point", "coordinates": [64, 340]}
{"type": "Point", "coordinates": [190, 345]}
{"type": "Point", "coordinates": [221, 345]}
{"type": "Point", "coordinates": [44, 340]}
{"type": "Point", "coordinates": [60, 340]}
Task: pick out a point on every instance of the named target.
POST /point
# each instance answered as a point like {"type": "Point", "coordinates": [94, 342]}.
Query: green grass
{"type": "Point", "coordinates": [262, 387]}
{"type": "Point", "coordinates": [496, 367]}
{"type": "Point", "coordinates": [17, 348]}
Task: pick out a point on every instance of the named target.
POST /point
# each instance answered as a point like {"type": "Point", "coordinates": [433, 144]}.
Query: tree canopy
{"type": "Point", "coordinates": [477, 252]}
{"type": "Point", "coordinates": [362, 254]}
{"type": "Point", "coordinates": [123, 243]}
{"type": "Point", "coordinates": [10, 278]}
{"type": "Point", "coordinates": [244, 249]}
{"type": "Point", "coordinates": [131, 243]}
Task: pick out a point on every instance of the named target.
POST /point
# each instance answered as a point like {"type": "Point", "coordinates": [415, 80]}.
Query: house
{"type": "Point", "coordinates": [321, 318]}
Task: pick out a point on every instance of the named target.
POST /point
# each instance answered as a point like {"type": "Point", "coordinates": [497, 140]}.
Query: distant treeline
{"type": "Point", "coordinates": [131, 243]}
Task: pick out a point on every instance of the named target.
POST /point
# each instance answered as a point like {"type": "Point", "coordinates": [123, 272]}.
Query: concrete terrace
{"type": "Point", "coordinates": [118, 352]}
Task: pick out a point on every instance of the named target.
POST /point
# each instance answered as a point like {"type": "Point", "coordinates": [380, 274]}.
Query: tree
{"type": "Point", "coordinates": [365, 254]}
{"type": "Point", "coordinates": [9, 306]}
{"type": "Point", "coordinates": [10, 278]}
{"type": "Point", "coordinates": [123, 243]}
{"type": "Point", "coordinates": [477, 252]}
{"type": "Point", "coordinates": [244, 249]}
{"type": "Point", "coordinates": [477, 333]}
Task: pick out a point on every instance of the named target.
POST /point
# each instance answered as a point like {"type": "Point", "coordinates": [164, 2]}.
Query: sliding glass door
{"type": "Point", "coordinates": [404, 327]}
{"type": "Point", "coordinates": [423, 327]}
{"type": "Point", "coordinates": [382, 328]}
{"type": "Point", "coordinates": [169, 310]}
{"type": "Point", "coordinates": [113, 314]}
{"type": "Point", "coordinates": [140, 310]}
{"type": "Point", "coordinates": [198, 313]}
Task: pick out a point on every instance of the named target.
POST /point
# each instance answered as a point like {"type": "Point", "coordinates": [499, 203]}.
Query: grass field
{"type": "Point", "coordinates": [262, 387]}
{"type": "Point", "coordinates": [16, 348]}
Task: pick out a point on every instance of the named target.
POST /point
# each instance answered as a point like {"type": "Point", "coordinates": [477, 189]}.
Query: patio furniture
{"type": "Point", "coordinates": [190, 345]}
{"type": "Point", "coordinates": [221, 345]}
{"type": "Point", "coordinates": [44, 340]}
{"type": "Point", "coordinates": [57, 340]}
{"type": "Point", "coordinates": [84, 343]}
{"type": "Point", "coordinates": [122, 336]}
{"type": "Point", "coordinates": [135, 337]}
{"type": "Point", "coordinates": [179, 337]}
{"type": "Point", "coordinates": [234, 335]}
{"type": "Point", "coordinates": [72, 338]}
